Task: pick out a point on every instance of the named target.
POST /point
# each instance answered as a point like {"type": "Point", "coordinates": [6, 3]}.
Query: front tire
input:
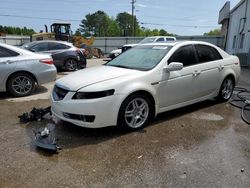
{"type": "Point", "coordinates": [135, 113]}
{"type": "Point", "coordinates": [226, 89]}
{"type": "Point", "coordinates": [21, 84]}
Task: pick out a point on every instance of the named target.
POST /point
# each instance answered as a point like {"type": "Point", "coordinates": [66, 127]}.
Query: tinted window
{"type": "Point", "coordinates": [184, 55]}
{"type": "Point", "coordinates": [170, 39]}
{"type": "Point", "coordinates": [58, 46]}
{"type": "Point", "coordinates": [4, 52]}
{"type": "Point", "coordinates": [160, 39]}
{"type": "Point", "coordinates": [207, 53]}
{"type": "Point", "coordinates": [40, 47]}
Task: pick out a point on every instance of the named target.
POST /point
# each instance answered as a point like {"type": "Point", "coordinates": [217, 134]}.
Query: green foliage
{"type": "Point", "coordinates": [113, 28]}
{"type": "Point", "coordinates": [125, 21]}
{"type": "Point", "coordinates": [16, 30]}
{"type": "Point", "coordinates": [213, 32]}
{"type": "Point", "coordinates": [101, 25]}
{"type": "Point", "coordinates": [95, 24]}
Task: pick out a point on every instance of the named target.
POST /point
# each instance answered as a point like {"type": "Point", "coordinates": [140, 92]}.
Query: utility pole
{"type": "Point", "coordinates": [133, 19]}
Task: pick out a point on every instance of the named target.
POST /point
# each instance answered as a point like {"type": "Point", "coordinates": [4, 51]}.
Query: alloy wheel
{"type": "Point", "coordinates": [227, 89]}
{"type": "Point", "coordinates": [136, 112]}
{"type": "Point", "coordinates": [22, 85]}
{"type": "Point", "coordinates": [71, 65]}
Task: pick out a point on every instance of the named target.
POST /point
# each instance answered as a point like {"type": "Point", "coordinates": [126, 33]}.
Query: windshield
{"type": "Point", "coordinates": [141, 57]}
{"type": "Point", "coordinates": [147, 40]}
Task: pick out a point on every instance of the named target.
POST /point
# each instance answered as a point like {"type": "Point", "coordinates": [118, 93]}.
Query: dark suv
{"type": "Point", "coordinates": [65, 55]}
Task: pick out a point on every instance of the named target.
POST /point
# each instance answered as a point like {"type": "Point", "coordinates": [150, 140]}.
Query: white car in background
{"type": "Point", "coordinates": [149, 40]}
{"type": "Point", "coordinates": [133, 88]}
{"type": "Point", "coordinates": [20, 69]}
{"type": "Point", "coordinates": [116, 52]}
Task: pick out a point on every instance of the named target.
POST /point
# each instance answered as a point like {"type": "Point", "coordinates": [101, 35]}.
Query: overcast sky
{"type": "Point", "coordinates": [181, 17]}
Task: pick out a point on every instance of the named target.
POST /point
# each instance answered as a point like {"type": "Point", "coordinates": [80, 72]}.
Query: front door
{"type": "Point", "coordinates": [178, 87]}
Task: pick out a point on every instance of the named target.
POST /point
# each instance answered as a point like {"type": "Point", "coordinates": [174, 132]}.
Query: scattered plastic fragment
{"type": "Point", "coordinates": [36, 114]}
{"type": "Point", "coordinates": [45, 139]}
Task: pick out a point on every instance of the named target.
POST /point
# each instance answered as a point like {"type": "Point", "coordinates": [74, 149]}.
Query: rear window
{"type": "Point", "coordinates": [4, 52]}
{"type": "Point", "coordinates": [207, 53]}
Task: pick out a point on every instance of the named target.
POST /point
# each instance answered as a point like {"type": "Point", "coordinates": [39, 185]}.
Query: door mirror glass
{"type": "Point", "coordinates": [174, 66]}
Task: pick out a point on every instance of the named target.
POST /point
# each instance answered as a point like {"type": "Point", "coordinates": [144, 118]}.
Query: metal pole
{"type": "Point", "coordinates": [133, 20]}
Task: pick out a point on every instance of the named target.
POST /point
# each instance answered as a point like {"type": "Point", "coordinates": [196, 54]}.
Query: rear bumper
{"type": "Point", "coordinates": [47, 75]}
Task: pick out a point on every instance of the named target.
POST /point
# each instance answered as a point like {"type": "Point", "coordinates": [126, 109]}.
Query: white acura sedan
{"type": "Point", "coordinates": [146, 80]}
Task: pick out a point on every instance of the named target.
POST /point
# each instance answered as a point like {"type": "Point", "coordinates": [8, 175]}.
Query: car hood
{"type": "Point", "coordinates": [93, 75]}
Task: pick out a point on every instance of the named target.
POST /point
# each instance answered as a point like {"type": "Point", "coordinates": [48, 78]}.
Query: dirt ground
{"type": "Point", "coordinates": [202, 145]}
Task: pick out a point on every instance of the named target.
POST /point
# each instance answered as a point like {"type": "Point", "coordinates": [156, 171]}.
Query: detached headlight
{"type": "Point", "coordinates": [93, 95]}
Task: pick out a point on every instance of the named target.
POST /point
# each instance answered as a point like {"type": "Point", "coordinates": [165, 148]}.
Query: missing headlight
{"type": "Point", "coordinates": [93, 95]}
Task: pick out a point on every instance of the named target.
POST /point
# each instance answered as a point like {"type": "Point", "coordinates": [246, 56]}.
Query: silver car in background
{"type": "Point", "coordinates": [20, 70]}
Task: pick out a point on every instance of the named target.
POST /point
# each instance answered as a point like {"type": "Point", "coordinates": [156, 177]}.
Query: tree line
{"type": "Point", "coordinates": [99, 24]}
{"type": "Point", "coordinates": [16, 30]}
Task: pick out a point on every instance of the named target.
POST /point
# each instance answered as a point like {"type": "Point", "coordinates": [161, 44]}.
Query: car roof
{"type": "Point", "coordinates": [174, 43]}
{"type": "Point", "coordinates": [15, 48]}
{"type": "Point", "coordinates": [161, 36]}
{"type": "Point", "coordinates": [54, 41]}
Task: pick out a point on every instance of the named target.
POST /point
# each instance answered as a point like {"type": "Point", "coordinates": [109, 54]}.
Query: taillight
{"type": "Point", "coordinates": [47, 61]}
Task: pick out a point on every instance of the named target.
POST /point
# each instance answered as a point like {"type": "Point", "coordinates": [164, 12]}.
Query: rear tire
{"type": "Point", "coordinates": [135, 113]}
{"type": "Point", "coordinates": [226, 89]}
{"type": "Point", "coordinates": [20, 84]}
{"type": "Point", "coordinates": [71, 65]}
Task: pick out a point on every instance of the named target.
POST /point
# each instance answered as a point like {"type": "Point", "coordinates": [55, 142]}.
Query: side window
{"type": "Point", "coordinates": [4, 52]}
{"type": "Point", "coordinates": [58, 46]}
{"type": "Point", "coordinates": [169, 39]}
{"type": "Point", "coordinates": [207, 53]}
{"type": "Point", "coordinates": [160, 40]}
{"type": "Point", "coordinates": [40, 47]}
{"type": "Point", "coordinates": [184, 55]}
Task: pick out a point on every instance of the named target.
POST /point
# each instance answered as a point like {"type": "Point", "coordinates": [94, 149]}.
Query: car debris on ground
{"type": "Point", "coordinates": [36, 114]}
{"type": "Point", "coordinates": [45, 139]}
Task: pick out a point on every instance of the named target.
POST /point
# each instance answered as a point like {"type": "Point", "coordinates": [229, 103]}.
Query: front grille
{"type": "Point", "coordinates": [59, 93]}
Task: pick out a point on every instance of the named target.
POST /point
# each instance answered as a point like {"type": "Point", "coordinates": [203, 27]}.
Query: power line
{"type": "Point", "coordinates": [39, 18]}
{"type": "Point", "coordinates": [190, 26]}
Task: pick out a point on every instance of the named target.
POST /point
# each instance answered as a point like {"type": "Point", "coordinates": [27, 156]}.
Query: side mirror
{"type": "Point", "coordinates": [33, 49]}
{"type": "Point", "coordinates": [173, 66]}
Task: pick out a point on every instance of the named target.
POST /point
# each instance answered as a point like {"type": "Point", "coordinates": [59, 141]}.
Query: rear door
{"type": "Point", "coordinates": [55, 47]}
{"type": "Point", "coordinates": [210, 62]}
{"type": "Point", "coordinates": [7, 64]}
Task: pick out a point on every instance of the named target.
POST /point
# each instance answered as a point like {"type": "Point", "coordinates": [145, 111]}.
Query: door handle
{"type": "Point", "coordinates": [196, 73]}
{"type": "Point", "coordinates": [8, 62]}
